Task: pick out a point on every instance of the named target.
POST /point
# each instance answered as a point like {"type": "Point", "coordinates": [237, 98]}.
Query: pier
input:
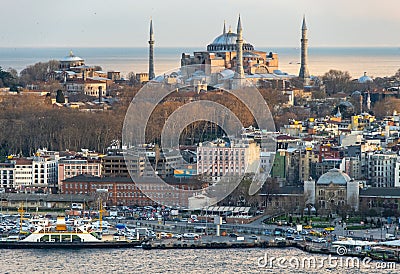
{"type": "Point", "coordinates": [216, 244]}
{"type": "Point", "coordinates": [389, 255]}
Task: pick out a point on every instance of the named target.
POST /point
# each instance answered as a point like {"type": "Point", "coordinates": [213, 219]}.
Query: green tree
{"type": "Point", "coordinates": [38, 72]}
{"type": "Point", "coordinates": [6, 78]}
{"type": "Point", "coordinates": [60, 97]}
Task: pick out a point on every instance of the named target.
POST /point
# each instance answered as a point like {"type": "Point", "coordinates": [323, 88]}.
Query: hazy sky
{"type": "Point", "coordinates": [181, 23]}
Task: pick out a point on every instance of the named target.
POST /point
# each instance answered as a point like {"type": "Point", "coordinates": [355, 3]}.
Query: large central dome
{"type": "Point", "coordinates": [227, 42]}
{"type": "Point", "coordinates": [227, 38]}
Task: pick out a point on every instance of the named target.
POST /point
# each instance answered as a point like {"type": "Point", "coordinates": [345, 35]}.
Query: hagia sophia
{"type": "Point", "coordinates": [222, 52]}
{"type": "Point", "coordinates": [231, 61]}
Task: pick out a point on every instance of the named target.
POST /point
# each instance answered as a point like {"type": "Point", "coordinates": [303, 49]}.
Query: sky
{"type": "Point", "coordinates": [188, 23]}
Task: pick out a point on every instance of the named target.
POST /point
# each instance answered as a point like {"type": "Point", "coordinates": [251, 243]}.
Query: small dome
{"type": "Point", "coordinates": [251, 54]}
{"type": "Point", "coordinates": [71, 58]}
{"type": "Point", "coordinates": [334, 176]}
{"type": "Point", "coordinates": [365, 79]}
{"type": "Point", "coordinates": [356, 93]}
{"type": "Point", "coordinates": [346, 104]}
{"type": "Point", "coordinates": [227, 74]}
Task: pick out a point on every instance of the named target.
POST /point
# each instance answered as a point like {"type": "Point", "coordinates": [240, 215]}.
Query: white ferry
{"type": "Point", "coordinates": [45, 232]}
{"type": "Point", "coordinates": [76, 233]}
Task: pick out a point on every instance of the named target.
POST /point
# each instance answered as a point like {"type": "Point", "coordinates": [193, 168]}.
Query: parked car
{"type": "Point", "coordinates": [298, 239]}
{"type": "Point", "coordinates": [233, 235]}
{"type": "Point", "coordinates": [315, 233]}
{"type": "Point", "coordinates": [277, 232]}
{"type": "Point", "coordinates": [308, 239]}
{"type": "Point", "coordinates": [253, 237]}
{"type": "Point", "coordinates": [177, 236]}
{"type": "Point", "coordinates": [289, 237]}
{"type": "Point", "coordinates": [281, 222]}
{"type": "Point", "coordinates": [267, 233]}
{"type": "Point", "coordinates": [291, 231]}
{"type": "Point", "coordinates": [280, 239]}
{"type": "Point", "coordinates": [319, 240]}
{"type": "Point", "coordinates": [190, 235]}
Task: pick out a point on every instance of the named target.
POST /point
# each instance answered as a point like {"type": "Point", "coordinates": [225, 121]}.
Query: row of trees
{"type": "Point", "coordinates": [341, 81]}
{"type": "Point", "coordinates": [38, 72]}
{"type": "Point", "coordinates": [28, 123]}
{"type": "Point", "coordinates": [202, 130]}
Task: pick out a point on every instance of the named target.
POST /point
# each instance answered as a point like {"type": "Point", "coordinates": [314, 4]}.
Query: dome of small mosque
{"type": "Point", "coordinates": [71, 58]}
{"type": "Point", "coordinates": [334, 176]}
{"type": "Point", "coordinates": [365, 79]}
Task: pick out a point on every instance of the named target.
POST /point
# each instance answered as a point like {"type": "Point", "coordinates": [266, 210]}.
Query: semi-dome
{"type": "Point", "coordinates": [251, 54]}
{"type": "Point", "coordinates": [227, 42]}
{"type": "Point", "coordinates": [334, 176]}
{"type": "Point", "coordinates": [365, 79]}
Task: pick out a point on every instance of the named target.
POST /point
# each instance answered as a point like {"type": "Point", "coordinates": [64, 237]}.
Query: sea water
{"type": "Point", "coordinates": [376, 61]}
{"type": "Point", "coordinates": [136, 260]}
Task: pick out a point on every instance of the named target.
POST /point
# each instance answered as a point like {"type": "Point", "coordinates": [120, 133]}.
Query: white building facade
{"type": "Point", "coordinates": [44, 173]}
{"type": "Point", "coordinates": [218, 158]}
{"type": "Point", "coordinates": [7, 179]}
{"type": "Point", "coordinates": [74, 167]}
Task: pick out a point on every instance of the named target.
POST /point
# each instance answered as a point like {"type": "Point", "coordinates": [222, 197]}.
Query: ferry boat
{"type": "Point", "coordinates": [62, 233]}
{"type": "Point", "coordinates": [75, 233]}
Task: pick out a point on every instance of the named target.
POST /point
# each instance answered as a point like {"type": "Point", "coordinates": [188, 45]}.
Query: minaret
{"type": "Point", "coordinates": [239, 51]}
{"type": "Point", "coordinates": [303, 74]}
{"type": "Point", "coordinates": [151, 52]}
{"type": "Point", "coordinates": [224, 30]}
{"type": "Point", "coordinates": [338, 113]}
{"type": "Point", "coordinates": [368, 101]}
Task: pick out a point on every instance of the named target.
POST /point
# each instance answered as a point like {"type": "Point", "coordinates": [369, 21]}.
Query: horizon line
{"type": "Point", "coordinates": [191, 46]}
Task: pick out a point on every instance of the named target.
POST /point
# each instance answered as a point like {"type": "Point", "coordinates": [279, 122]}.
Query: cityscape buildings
{"type": "Point", "coordinates": [345, 160]}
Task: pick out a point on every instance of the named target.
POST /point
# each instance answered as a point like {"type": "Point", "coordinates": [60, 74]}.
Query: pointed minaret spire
{"type": "Point", "coordinates": [224, 31]}
{"type": "Point", "coordinates": [304, 25]}
{"type": "Point", "coordinates": [304, 74]}
{"type": "Point", "coordinates": [368, 101]}
{"type": "Point", "coordinates": [239, 26]}
{"type": "Point", "coordinates": [338, 113]}
{"type": "Point", "coordinates": [151, 52]}
{"type": "Point", "coordinates": [151, 30]}
{"type": "Point", "coordinates": [239, 51]}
